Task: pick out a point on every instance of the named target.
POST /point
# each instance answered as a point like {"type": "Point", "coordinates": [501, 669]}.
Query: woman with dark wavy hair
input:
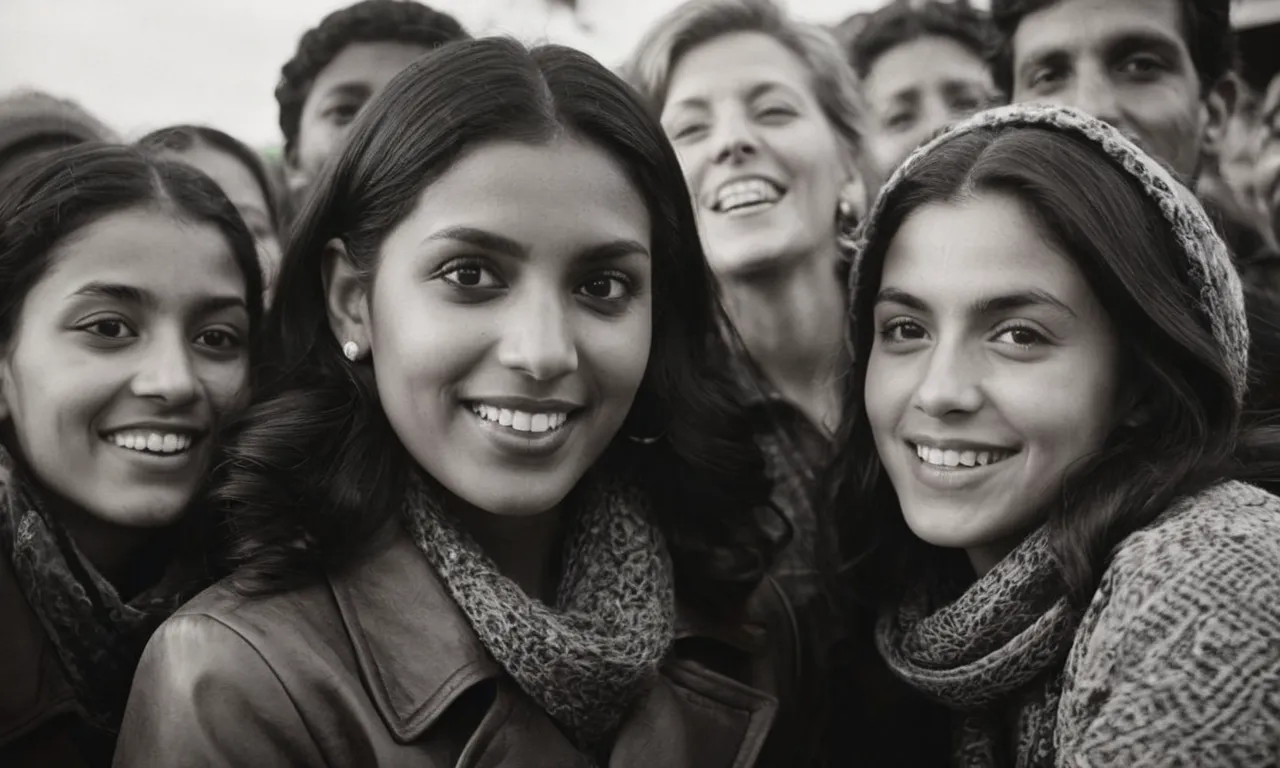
{"type": "Point", "coordinates": [1039, 474]}
{"type": "Point", "coordinates": [498, 503]}
{"type": "Point", "coordinates": [129, 295]}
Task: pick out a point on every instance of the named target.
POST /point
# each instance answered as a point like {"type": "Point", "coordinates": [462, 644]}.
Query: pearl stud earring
{"type": "Point", "coordinates": [351, 350]}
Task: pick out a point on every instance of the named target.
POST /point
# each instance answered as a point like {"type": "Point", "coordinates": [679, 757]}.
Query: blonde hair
{"type": "Point", "coordinates": [697, 22]}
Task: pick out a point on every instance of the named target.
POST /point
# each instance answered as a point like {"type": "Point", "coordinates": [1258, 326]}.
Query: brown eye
{"type": "Point", "coordinates": [607, 288]}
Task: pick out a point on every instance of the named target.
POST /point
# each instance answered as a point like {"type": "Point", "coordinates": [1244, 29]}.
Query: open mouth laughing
{"type": "Point", "coordinates": [746, 196]}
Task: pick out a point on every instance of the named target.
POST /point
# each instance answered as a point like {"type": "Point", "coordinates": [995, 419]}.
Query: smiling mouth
{"type": "Point", "coordinates": [530, 422]}
{"type": "Point", "coordinates": [954, 459]}
{"type": "Point", "coordinates": [747, 196]}
{"type": "Point", "coordinates": [153, 442]}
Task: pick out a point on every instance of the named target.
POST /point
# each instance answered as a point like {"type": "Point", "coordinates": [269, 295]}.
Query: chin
{"type": "Point", "coordinates": [525, 502]}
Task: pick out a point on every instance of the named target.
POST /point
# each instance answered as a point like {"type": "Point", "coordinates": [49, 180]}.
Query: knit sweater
{"type": "Point", "coordinates": [1177, 658]}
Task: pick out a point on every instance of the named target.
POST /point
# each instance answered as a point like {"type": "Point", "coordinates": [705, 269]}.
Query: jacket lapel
{"type": "Point", "coordinates": [416, 651]}
{"type": "Point", "coordinates": [696, 716]}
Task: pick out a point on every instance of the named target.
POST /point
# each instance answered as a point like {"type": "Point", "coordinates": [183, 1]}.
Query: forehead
{"type": "Point", "coordinates": [553, 197]}
{"type": "Point", "coordinates": [149, 249]}
{"type": "Point", "coordinates": [989, 244]}
{"type": "Point", "coordinates": [733, 64]}
{"type": "Point", "coordinates": [1078, 26]}
{"type": "Point", "coordinates": [370, 64]}
{"type": "Point", "coordinates": [923, 62]}
{"type": "Point", "coordinates": [231, 175]}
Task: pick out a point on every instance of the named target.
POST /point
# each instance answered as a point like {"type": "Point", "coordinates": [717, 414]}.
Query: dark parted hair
{"type": "Point", "coordinates": [52, 198]}
{"type": "Point", "coordinates": [317, 469]}
{"type": "Point", "coordinates": [875, 34]}
{"type": "Point", "coordinates": [1098, 215]}
{"type": "Point", "coordinates": [183, 138]}
{"type": "Point", "coordinates": [1206, 30]}
{"type": "Point", "coordinates": [71, 188]}
{"type": "Point", "coordinates": [368, 21]}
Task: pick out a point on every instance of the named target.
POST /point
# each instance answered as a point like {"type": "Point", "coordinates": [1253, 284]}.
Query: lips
{"type": "Point", "coordinates": [534, 422]}
{"type": "Point", "coordinates": [157, 441]}
{"type": "Point", "coordinates": [959, 455]}
{"type": "Point", "coordinates": [746, 193]}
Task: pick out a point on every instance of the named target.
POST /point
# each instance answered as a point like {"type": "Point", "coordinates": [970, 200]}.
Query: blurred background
{"type": "Point", "coordinates": [216, 63]}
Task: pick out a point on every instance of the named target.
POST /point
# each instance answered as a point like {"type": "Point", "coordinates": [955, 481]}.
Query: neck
{"type": "Point", "coordinates": [526, 548]}
{"type": "Point", "coordinates": [112, 550]}
{"type": "Point", "coordinates": [791, 321]}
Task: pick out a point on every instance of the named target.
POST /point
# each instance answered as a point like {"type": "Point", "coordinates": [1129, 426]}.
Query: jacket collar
{"type": "Point", "coordinates": [416, 651]}
{"type": "Point", "coordinates": [415, 648]}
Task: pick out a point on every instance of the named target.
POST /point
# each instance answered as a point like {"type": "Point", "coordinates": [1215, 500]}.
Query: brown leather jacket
{"type": "Point", "coordinates": [377, 666]}
{"type": "Point", "coordinates": [37, 706]}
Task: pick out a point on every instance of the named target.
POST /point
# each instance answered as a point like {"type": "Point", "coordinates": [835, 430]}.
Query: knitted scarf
{"type": "Point", "coordinates": [589, 658]}
{"type": "Point", "coordinates": [999, 648]}
{"type": "Point", "coordinates": [97, 636]}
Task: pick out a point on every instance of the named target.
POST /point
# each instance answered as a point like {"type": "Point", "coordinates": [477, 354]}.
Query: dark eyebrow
{"type": "Point", "coordinates": [1021, 300]}
{"type": "Point", "coordinates": [355, 90]}
{"type": "Point", "coordinates": [125, 294]}
{"type": "Point", "coordinates": [128, 294]}
{"type": "Point", "coordinates": [767, 87]}
{"type": "Point", "coordinates": [1055, 58]}
{"type": "Point", "coordinates": [954, 88]}
{"type": "Point", "coordinates": [1136, 41]}
{"type": "Point", "coordinates": [989, 306]}
{"type": "Point", "coordinates": [496, 243]}
{"type": "Point", "coordinates": [909, 96]}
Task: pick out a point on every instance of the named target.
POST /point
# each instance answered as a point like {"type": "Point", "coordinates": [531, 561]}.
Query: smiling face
{"type": "Point", "coordinates": [341, 90]}
{"type": "Point", "coordinates": [509, 320]}
{"type": "Point", "coordinates": [764, 165]}
{"type": "Point", "coordinates": [993, 371]}
{"type": "Point", "coordinates": [916, 88]}
{"type": "Point", "coordinates": [1125, 63]}
{"type": "Point", "coordinates": [124, 355]}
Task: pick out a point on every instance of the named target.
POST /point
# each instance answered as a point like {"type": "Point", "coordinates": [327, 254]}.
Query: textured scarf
{"type": "Point", "coordinates": [996, 651]}
{"type": "Point", "coordinates": [589, 658]}
{"type": "Point", "coordinates": [97, 636]}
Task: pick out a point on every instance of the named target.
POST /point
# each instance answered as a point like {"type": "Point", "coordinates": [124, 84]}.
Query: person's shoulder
{"type": "Point", "coordinates": [1231, 516]}
{"type": "Point", "coordinates": [281, 620]}
{"type": "Point", "coordinates": [1208, 545]}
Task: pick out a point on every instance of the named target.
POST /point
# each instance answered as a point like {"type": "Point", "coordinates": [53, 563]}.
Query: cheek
{"type": "Point", "coordinates": [618, 351]}
{"type": "Point", "coordinates": [1064, 411]}
{"type": "Point", "coordinates": [226, 385]}
{"type": "Point", "coordinates": [886, 392]}
{"type": "Point", "coordinates": [419, 344]}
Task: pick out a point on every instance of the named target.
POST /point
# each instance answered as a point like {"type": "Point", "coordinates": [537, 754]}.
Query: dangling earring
{"type": "Point", "coordinates": [647, 440]}
{"type": "Point", "coordinates": [845, 208]}
{"type": "Point", "coordinates": [351, 351]}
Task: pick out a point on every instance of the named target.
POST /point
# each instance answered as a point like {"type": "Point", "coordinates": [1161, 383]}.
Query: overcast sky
{"type": "Point", "coordinates": [142, 64]}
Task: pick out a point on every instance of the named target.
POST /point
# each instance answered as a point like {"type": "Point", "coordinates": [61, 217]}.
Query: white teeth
{"type": "Point", "coordinates": [522, 421]}
{"type": "Point", "coordinates": [951, 459]}
{"type": "Point", "coordinates": [747, 192]}
{"type": "Point", "coordinates": [152, 442]}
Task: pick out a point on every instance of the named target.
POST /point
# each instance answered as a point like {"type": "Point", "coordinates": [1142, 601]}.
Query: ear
{"type": "Point", "coordinates": [346, 296]}
{"type": "Point", "coordinates": [1215, 113]}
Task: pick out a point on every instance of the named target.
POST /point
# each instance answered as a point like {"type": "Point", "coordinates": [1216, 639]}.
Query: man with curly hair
{"type": "Point", "coordinates": [341, 65]}
{"type": "Point", "coordinates": [921, 66]}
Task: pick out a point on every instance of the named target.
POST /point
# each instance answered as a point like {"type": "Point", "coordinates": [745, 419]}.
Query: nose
{"type": "Point", "coordinates": [538, 339]}
{"type": "Point", "coordinates": [1095, 93]}
{"type": "Point", "coordinates": [951, 383]}
{"type": "Point", "coordinates": [166, 372]}
{"type": "Point", "coordinates": [735, 141]}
